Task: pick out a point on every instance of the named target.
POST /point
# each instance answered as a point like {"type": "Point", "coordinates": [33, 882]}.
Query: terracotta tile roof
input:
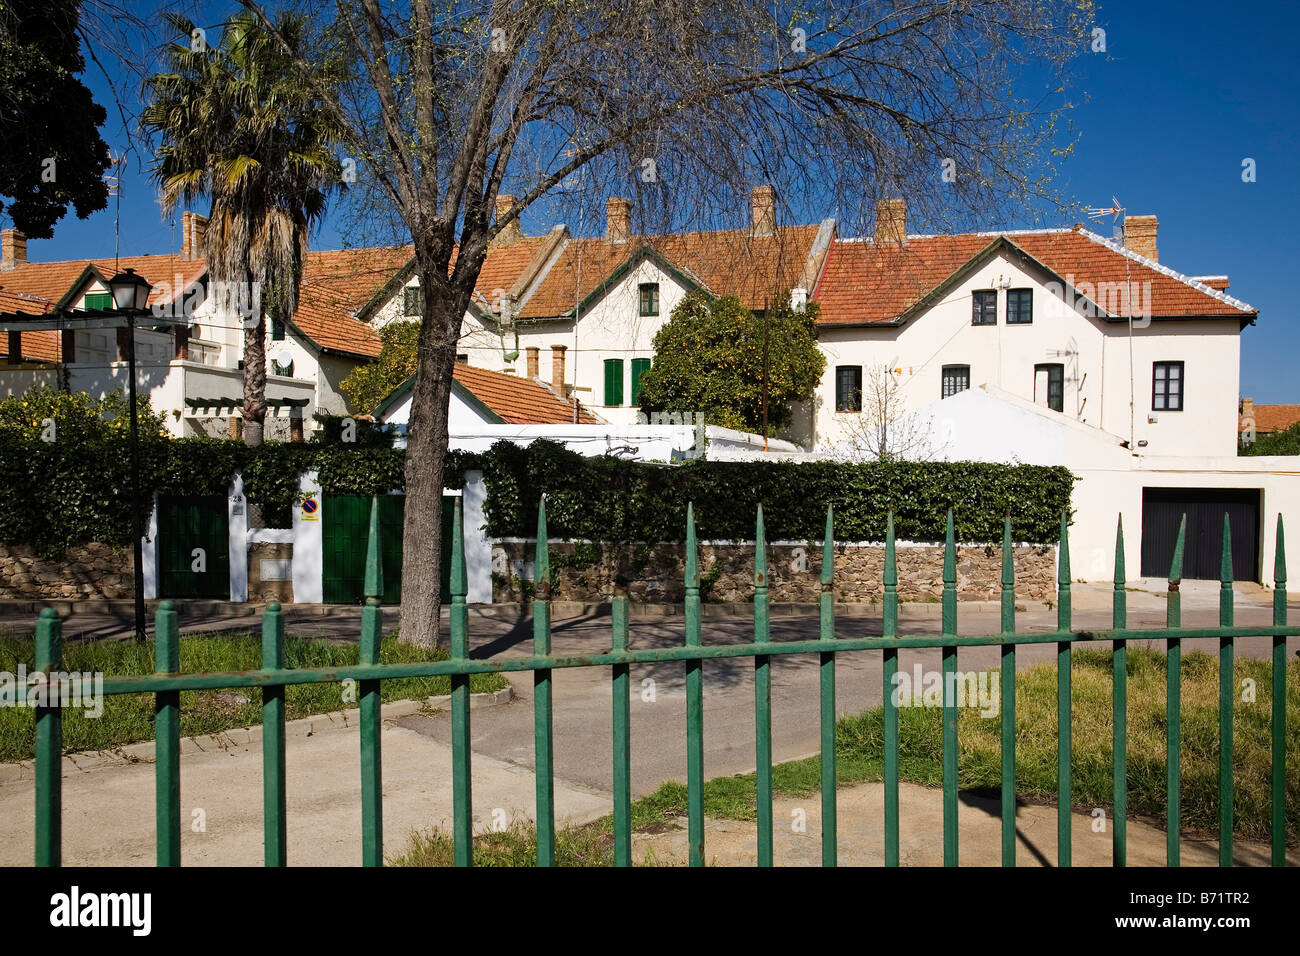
{"type": "Point", "coordinates": [336, 283]}
{"type": "Point", "coordinates": [504, 264]}
{"type": "Point", "coordinates": [1269, 418]}
{"type": "Point", "coordinates": [725, 262]}
{"type": "Point", "coordinates": [35, 345]}
{"type": "Point", "coordinates": [53, 280]}
{"type": "Point", "coordinates": [519, 401]}
{"type": "Point", "coordinates": [866, 282]}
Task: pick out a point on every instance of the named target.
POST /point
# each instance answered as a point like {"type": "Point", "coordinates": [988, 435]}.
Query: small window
{"type": "Point", "coordinates": [1049, 386]}
{"type": "Point", "coordinates": [613, 381]}
{"type": "Point", "coordinates": [639, 367]}
{"type": "Point", "coordinates": [99, 300]}
{"type": "Point", "coordinates": [956, 378]}
{"type": "Point", "coordinates": [984, 307]}
{"type": "Point", "coordinates": [411, 300]}
{"type": "Point", "coordinates": [649, 298]}
{"type": "Point", "coordinates": [462, 358]}
{"type": "Point", "coordinates": [277, 330]}
{"type": "Point", "coordinates": [1167, 387]}
{"type": "Point", "coordinates": [848, 388]}
{"type": "Point", "coordinates": [286, 369]}
{"type": "Point", "coordinates": [1020, 306]}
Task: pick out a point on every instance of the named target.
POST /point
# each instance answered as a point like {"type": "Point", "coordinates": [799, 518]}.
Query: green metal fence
{"type": "Point", "coordinates": [273, 678]}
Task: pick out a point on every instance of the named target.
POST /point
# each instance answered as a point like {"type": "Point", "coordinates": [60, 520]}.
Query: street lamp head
{"type": "Point", "coordinates": [130, 291]}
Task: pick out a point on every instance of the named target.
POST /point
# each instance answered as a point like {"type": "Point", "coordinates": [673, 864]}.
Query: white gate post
{"type": "Point", "coordinates": [237, 525]}
{"type": "Point", "coordinates": [308, 543]}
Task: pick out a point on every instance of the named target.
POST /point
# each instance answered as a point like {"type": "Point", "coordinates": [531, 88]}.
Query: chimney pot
{"type": "Point", "coordinates": [891, 220]}
{"type": "Point", "coordinates": [13, 248]}
{"type": "Point", "coordinates": [618, 219]}
{"type": "Point", "coordinates": [512, 232]}
{"type": "Point", "coordinates": [762, 210]}
{"type": "Point", "coordinates": [1140, 236]}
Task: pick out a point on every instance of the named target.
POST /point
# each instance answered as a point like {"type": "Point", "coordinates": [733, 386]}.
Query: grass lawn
{"type": "Point", "coordinates": [859, 754]}
{"type": "Point", "coordinates": [129, 718]}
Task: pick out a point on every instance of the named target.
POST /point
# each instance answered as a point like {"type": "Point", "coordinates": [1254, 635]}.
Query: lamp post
{"type": "Point", "coordinates": [131, 296]}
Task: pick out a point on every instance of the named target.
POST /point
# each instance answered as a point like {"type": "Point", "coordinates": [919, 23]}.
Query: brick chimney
{"type": "Point", "coordinates": [13, 248]}
{"type": "Point", "coordinates": [532, 354]}
{"type": "Point", "coordinates": [557, 367]}
{"type": "Point", "coordinates": [891, 220]}
{"type": "Point", "coordinates": [762, 210]}
{"type": "Point", "coordinates": [193, 228]}
{"type": "Point", "coordinates": [1247, 408]}
{"type": "Point", "coordinates": [618, 219]}
{"type": "Point", "coordinates": [512, 232]}
{"type": "Point", "coordinates": [1140, 236]}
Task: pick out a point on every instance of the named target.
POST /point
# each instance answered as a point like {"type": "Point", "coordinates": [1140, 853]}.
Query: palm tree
{"type": "Point", "coordinates": [240, 125]}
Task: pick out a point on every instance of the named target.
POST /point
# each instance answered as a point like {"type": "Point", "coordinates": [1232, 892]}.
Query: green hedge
{"type": "Point", "coordinates": [69, 492]}
{"type": "Point", "coordinates": [64, 493]}
{"type": "Point", "coordinates": [609, 499]}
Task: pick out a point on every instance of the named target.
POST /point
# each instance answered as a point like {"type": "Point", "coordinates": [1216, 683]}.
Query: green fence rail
{"type": "Point", "coordinates": [273, 678]}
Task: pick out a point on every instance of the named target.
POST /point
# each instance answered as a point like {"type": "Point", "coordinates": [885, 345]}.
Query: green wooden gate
{"type": "Point", "coordinates": [185, 524]}
{"type": "Point", "coordinates": [343, 565]}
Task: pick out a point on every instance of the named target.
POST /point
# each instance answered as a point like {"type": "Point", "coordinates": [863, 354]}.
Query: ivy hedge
{"type": "Point", "coordinates": [65, 493]}
{"type": "Point", "coordinates": [610, 499]}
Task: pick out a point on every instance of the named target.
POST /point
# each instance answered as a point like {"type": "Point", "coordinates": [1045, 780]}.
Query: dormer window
{"type": "Point", "coordinates": [649, 298]}
{"type": "Point", "coordinates": [411, 301]}
{"type": "Point", "coordinates": [99, 300]}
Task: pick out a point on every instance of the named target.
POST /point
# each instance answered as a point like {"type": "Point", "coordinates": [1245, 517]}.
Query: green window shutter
{"type": "Point", "coordinates": [277, 330]}
{"type": "Point", "coordinates": [99, 300]}
{"type": "Point", "coordinates": [639, 367]}
{"type": "Point", "coordinates": [613, 381]}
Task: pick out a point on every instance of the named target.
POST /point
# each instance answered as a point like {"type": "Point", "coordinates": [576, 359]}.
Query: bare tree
{"type": "Point", "coordinates": [685, 106]}
{"type": "Point", "coordinates": [884, 429]}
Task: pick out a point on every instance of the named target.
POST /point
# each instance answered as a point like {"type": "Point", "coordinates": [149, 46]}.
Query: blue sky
{"type": "Point", "coordinates": [1184, 93]}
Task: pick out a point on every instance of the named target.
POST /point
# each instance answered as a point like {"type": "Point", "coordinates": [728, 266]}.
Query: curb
{"type": "Point", "coordinates": [143, 752]}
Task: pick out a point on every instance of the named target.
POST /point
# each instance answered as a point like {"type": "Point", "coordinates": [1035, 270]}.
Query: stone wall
{"type": "Point", "coordinates": [588, 572]}
{"type": "Point", "coordinates": [260, 589]}
{"type": "Point", "coordinates": [85, 571]}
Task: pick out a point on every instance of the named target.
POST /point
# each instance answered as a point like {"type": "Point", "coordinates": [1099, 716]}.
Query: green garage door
{"type": "Point", "coordinates": [345, 532]}
{"type": "Point", "coordinates": [193, 547]}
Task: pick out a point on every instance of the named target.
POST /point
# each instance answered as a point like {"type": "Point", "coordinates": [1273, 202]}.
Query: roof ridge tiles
{"type": "Point", "coordinates": [1164, 270]}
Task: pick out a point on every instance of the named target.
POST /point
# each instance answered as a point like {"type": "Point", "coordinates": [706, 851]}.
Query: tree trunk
{"type": "Point", "coordinates": [254, 379]}
{"type": "Point", "coordinates": [426, 452]}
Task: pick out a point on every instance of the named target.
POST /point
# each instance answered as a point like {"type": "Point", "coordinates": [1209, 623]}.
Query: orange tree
{"type": "Point", "coordinates": [709, 358]}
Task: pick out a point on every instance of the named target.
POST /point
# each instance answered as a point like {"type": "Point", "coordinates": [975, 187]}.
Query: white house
{"type": "Point", "coordinates": [192, 372]}
{"type": "Point", "coordinates": [1041, 314]}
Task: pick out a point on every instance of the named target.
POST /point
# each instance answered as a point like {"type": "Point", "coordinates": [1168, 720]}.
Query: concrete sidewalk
{"type": "Point", "coordinates": [108, 799]}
